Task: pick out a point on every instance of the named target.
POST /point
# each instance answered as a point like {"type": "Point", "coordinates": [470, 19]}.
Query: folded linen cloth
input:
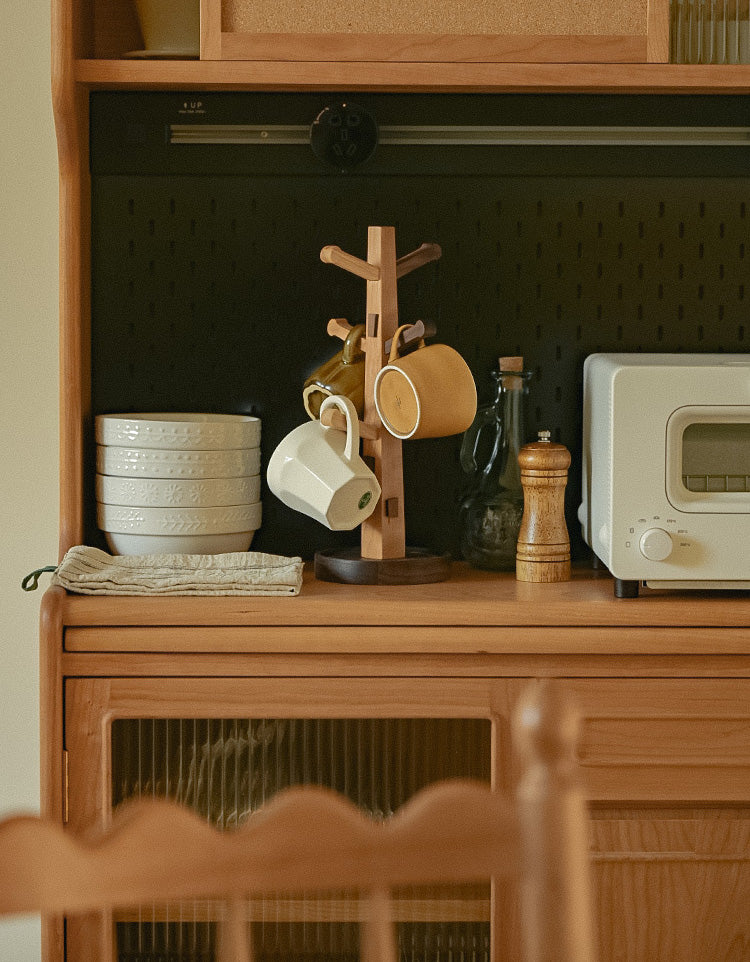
{"type": "Point", "coordinates": [90, 571]}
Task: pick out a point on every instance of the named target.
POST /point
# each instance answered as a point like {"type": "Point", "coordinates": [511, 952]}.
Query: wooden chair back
{"type": "Point", "coordinates": [311, 839]}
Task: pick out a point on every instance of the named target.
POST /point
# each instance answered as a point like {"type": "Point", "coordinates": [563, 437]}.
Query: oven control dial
{"type": "Point", "coordinates": [656, 544]}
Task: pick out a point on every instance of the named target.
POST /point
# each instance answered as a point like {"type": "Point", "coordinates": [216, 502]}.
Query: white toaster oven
{"type": "Point", "coordinates": [666, 469]}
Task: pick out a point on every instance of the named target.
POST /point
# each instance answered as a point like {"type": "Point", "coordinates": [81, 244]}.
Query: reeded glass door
{"type": "Point", "coordinates": [223, 748]}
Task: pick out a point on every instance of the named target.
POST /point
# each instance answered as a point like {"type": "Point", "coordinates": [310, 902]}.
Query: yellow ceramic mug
{"type": "Point", "coordinates": [429, 393]}
{"type": "Point", "coordinates": [343, 374]}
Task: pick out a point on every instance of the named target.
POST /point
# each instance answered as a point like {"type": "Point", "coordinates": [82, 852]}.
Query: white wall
{"type": "Point", "coordinates": [28, 401]}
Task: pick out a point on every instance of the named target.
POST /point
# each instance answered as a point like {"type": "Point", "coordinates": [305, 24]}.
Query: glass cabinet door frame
{"type": "Point", "coordinates": [94, 703]}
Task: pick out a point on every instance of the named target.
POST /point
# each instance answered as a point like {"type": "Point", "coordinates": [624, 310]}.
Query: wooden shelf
{"type": "Point", "coordinates": [468, 599]}
{"type": "Point", "coordinates": [419, 77]}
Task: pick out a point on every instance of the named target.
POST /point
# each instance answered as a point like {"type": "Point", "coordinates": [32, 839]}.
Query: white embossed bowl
{"type": "Point", "coordinates": [167, 493]}
{"type": "Point", "coordinates": [178, 431]}
{"type": "Point", "coordinates": [122, 542]}
{"type": "Point", "coordinates": [131, 462]}
{"type": "Point", "coordinates": [139, 530]}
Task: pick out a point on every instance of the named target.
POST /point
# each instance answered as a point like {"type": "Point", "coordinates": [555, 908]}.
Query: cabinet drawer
{"type": "Point", "coordinates": [665, 739]}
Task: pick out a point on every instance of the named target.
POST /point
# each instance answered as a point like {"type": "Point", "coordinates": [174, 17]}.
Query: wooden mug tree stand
{"type": "Point", "coordinates": [383, 557]}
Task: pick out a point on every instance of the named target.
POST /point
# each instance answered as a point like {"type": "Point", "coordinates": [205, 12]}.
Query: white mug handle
{"type": "Point", "coordinates": [346, 406]}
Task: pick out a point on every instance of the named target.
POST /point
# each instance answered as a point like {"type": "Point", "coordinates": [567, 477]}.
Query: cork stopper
{"type": "Point", "coordinates": [511, 365]}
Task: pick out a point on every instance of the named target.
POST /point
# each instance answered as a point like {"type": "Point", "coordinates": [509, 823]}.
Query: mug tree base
{"type": "Point", "coordinates": [347, 566]}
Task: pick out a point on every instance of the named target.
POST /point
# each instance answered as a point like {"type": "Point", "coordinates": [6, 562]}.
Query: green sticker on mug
{"type": "Point", "coordinates": [365, 500]}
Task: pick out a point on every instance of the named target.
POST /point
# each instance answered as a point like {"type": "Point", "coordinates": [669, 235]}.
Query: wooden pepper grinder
{"type": "Point", "coordinates": [543, 549]}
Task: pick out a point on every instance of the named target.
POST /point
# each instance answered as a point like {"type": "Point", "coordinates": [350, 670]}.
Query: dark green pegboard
{"type": "Point", "coordinates": [209, 294]}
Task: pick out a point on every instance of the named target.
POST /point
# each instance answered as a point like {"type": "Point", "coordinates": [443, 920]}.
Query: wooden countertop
{"type": "Point", "coordinates": [468, 598]}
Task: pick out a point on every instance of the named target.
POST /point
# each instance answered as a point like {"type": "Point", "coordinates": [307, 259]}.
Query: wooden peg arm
{"type": "Point", "coordinates": [334, 255]}
{"type": "Point", "coordinates": [333, 418]}
{"type": "Point", "coordinates": [422, 255]}
{"type": "Point", "coordinates": [339, 327]}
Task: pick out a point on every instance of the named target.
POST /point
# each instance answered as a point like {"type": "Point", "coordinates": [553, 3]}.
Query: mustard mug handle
{"type": "Point", "coordinates": [352, 351]}
{"type": "Point", "coordinates": [395, 342]}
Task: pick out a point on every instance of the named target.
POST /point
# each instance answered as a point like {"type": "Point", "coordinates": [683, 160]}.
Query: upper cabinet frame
{"type": "Point", "coordinates": [412, 31]}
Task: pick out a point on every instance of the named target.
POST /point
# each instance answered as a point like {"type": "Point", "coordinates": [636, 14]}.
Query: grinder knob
{"type": "Point", "coordinates": [543, 550]}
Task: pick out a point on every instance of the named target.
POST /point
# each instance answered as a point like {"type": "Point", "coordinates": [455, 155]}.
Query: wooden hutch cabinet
{"type": "Point", "coordinates": [378, 689]}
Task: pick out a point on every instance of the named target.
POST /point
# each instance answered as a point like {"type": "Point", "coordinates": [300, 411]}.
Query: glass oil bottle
{"type": "Point", "coordinates": [491, 512]}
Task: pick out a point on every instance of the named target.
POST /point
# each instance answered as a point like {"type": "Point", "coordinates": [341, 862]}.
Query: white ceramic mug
{"type": "Point", "coordinates": [318, 471]}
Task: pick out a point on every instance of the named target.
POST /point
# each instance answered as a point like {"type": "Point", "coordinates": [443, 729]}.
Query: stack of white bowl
{"type": "Point", "coordinates": [178, 483]}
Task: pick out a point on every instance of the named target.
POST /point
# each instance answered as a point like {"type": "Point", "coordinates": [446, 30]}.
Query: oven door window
{"type": "Point", "coordinates": [708, 459]}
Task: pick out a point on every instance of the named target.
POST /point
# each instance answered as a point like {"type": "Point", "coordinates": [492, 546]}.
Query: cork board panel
{"type": "Point", "coordinates": [455, 17]}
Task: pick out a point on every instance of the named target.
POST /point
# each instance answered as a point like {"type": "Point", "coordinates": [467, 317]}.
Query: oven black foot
{"type": "Point", "coordinates": [626, 589]}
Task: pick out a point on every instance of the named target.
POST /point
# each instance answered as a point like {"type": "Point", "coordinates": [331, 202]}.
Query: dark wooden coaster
{"type": "Point", "coordinates": [418, 567]}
